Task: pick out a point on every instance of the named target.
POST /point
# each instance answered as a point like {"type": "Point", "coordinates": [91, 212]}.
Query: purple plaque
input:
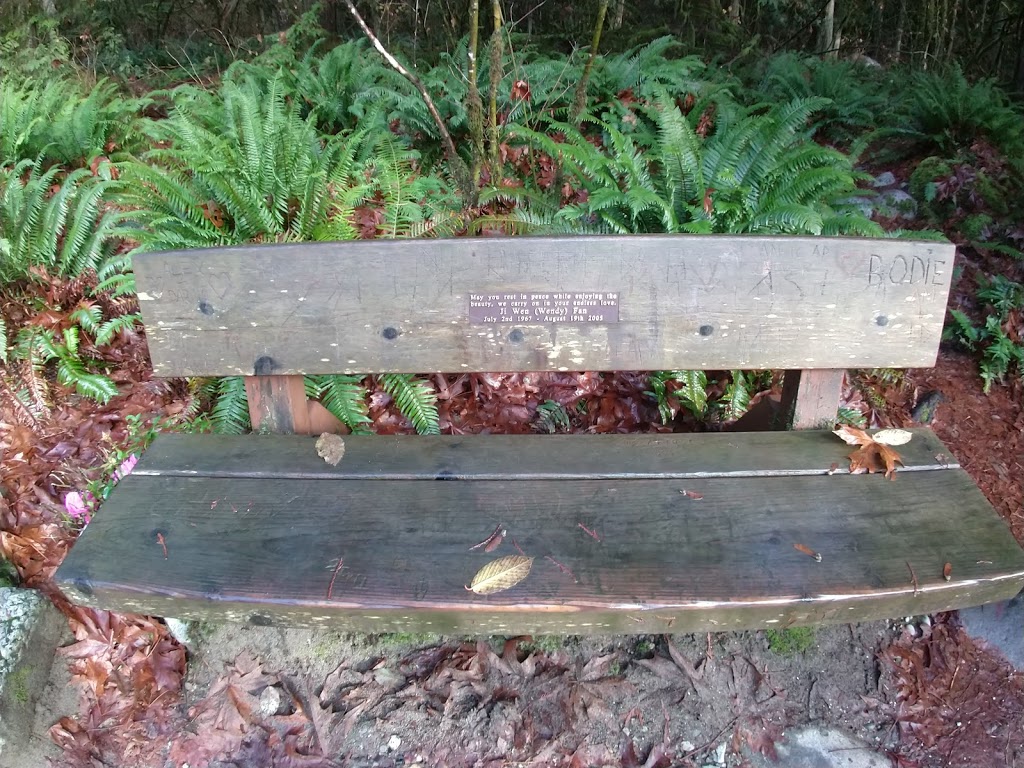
{"type": "Point", "coordinates": [532, 308]}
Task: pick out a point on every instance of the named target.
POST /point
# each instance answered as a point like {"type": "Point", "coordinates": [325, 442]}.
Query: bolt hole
{"type": "Point", "coordinates": [706, 330]}
{"type": "Point", "coordinates": [205, 307]}
{"type": "Point", "coordinates": [882, 320]}
{"type": "Point", "coordinates": [264, 366]}
{"type": "Point", "coordinates": [390, 333]}
{"type": "Point", "coordinates": [516, 336]}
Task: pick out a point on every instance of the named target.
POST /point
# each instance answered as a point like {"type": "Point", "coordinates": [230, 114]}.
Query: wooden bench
{"type": "Point", "coordinates": [259, 529]}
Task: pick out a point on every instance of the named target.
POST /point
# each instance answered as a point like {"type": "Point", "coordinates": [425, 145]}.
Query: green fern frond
{"type": "Point", "coordinates": [345, 397]}
{"type": "Point", "coordinates": [230, 412]}
{"type": "Point", "coordinates": [416, 399]}
{"type": "Point", "coordinates": [112, 327]}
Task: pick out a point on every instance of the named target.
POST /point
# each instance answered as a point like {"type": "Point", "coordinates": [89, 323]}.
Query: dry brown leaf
{"type": "Point", "coordinates": [852, 435]}
{"type": "Point", "coordinates": [947, 571]}
{"type": "Point", "coordinates": [875, 457]}
{"type": "Point", "coordinates": [871, 456]}
{"type": "Point", "coordinates": [501, 574]}
{"type": "Point", "coordinates": [330, 448]}
{"type": "Point", "coordinates": [892, 437]}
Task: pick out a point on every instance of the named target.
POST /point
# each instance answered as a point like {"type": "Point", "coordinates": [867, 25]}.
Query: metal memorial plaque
{"type": "Point", "coordinates": [530, 308]}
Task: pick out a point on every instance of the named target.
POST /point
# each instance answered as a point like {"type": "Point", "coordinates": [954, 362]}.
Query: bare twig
{"type": "Point", "coordinates": [337, 570]}
{"type": "Point", "coordinates": [461, 172]}
{"type": "Point", "coordinates": [913, 578]}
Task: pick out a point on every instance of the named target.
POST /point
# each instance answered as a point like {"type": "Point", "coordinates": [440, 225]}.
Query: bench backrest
{"type": "Point", "coordinates": [603, 303]}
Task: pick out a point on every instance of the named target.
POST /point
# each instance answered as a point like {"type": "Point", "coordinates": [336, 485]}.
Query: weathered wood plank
{"type": "Point", "coordinates": [526, 457]}
{"type": "Point", "coordinates": [266, 551]}
{"type": "Point", "coordinates": [448, 305]}
{"type": "Point", "coordinates": [278, 405]}
{"type": "Point", "coordinates": [812, 397]}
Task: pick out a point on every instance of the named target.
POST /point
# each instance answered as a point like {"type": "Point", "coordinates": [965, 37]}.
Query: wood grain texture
{"type": "Point", "coordinates": [255, 527]}
{"type": "Point", "coordinates": [812, 397]}
{"type": "Point", "coordinates": [278, 405]}
{"type": "Point", "coordinates": [265, 550]}
{"type": "Point", "coordinates": [522, 457]}
{"type": "Point", "coordinates": [708, 302]}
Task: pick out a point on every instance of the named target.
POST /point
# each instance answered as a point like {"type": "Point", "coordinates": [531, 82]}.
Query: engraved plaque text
{"type": "Point", "coordinates": [561, 307]}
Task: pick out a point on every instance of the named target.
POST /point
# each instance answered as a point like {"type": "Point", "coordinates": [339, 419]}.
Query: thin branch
{"type": "Point", "coordinates": [461, 172]}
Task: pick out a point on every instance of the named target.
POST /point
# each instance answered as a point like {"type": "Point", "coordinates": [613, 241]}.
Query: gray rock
{"type": "Point", "coordinates": [999, 624]}
{"type": "Point", "coordinates": [30, 628]}
{"type": "Point", "coordinates": [885, 179]}
{"type": "Point", "coordinates": [180, 630]}
{"type": "Point", "coordinates": [895, 203]}
{"type": "Point", "coordinates": [866, 205]}
{"type": "Point", "coordinates": [816, 747]}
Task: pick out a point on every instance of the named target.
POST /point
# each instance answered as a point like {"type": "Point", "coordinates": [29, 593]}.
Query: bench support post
{"type": "Point", "coordinates": [812, 397]}
{"type": "Point", "coordinates": [277, 404]}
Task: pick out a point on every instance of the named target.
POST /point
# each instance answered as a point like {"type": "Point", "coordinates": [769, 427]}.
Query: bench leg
{"type": "Point", "coordinates": [812, 396]}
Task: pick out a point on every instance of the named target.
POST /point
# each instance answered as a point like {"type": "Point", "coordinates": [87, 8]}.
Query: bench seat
{"type": "Point", "coordinates": [252, 529]}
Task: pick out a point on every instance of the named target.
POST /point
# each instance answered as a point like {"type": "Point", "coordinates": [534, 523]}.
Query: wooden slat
{"type": "Point", "coordinates": [266, 550]}
{"type": "Point", "coordinates": [714, 302]}
{"type": "Point", "coordinates": [527, 457]}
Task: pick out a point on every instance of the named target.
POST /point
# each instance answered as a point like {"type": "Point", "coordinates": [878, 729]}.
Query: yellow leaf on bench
{"type": "Point", "coordinates": [501, 574]}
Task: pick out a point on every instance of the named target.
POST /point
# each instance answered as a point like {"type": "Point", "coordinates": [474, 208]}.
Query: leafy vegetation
{"type": "Point", "coordinates": [1000, 336]}
{"type": "Point", "coordinates": [302, 139]}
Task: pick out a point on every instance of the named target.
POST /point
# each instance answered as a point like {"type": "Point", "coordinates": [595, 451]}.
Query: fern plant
{"type": "Point", "coordinates": [415, 398]}
{"type": "Point", "coordinates": [39, 346]}
{"type": "Point", "coordinates": [54, 120]}
{"type": "Point", "coordinates": [756, 173]}
{"type": "Point", "coordinates": [949, 112]}
{"type": "Point", "coordinates": [1002, 351]}
{"type": "Point", "coordinates": [64, 232]}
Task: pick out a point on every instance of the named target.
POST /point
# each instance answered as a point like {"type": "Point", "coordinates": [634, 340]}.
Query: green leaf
{"type": "Point", "coordinates": [416, 399]}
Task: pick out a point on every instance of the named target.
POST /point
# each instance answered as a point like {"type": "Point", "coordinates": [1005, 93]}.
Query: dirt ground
{"type": "Point", "coordinates": [395, 700]}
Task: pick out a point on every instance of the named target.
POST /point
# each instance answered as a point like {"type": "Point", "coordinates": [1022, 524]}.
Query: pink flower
{"type": "Point", "coordinates": [76, 507]}
{"type": "Point", "coordinates": [126, 467]}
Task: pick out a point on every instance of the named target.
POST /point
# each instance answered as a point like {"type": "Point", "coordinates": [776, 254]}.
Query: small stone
{"type": "Point", "coordinates": [180, 630]}
{"type": "Point", "coordinates": [886, 179]}
{"type": "Point", "coordinates": [270, 701]}
{"type": "Point", "coordinates": [720, 753]}
{"type": "Point", "coordinates": [330, 448]}
{"type": "Point", "coordinates": [687, 746]}
{"type": "Point", "coordinates": [394, 742]}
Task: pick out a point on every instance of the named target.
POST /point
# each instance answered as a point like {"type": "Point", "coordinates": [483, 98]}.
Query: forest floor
{"type": "Point", "coordinates": [921, 692]}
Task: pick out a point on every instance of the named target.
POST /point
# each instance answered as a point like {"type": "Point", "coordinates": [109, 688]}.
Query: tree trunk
{"type": "Point", "coordinates": [826, 33]}
{"type": "Point", "coordinates": [581, 88]}
{"type": "Point", "coordinates": [899, 29]}
{"type": "Point", "coordinates": [952, 31]}
{"type": "Point", "coordinates": [474, 106]}
{"type": "Point", "coordinates": [620, 10]}
{"type": "Point", "coordinates": [735, 11]}
{"type": "Point", "coordinates": [497, 56]}
{"type": "Point", "coordinates": [49, 7]}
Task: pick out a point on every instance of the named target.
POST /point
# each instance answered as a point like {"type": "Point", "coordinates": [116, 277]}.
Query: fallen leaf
{"type": "Point", "coordinates": [501, 574]}
{"type": "Point", "coordinates": [692, 495]}
{"type": "Point", "coordinates": [330, 448]}
{"type": "Point", "coordinates": [871, 456]}
{"type": "Point", "coordinates": [947, 571]}
{"type": "Point", "coordinates": [875, 457]}
{"type": "Point", "coordinates": [892, 437]}
{"type": "Point", "coordinates": [852, 435]}
{"type": "Point", "coordinates": [493, 541]}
